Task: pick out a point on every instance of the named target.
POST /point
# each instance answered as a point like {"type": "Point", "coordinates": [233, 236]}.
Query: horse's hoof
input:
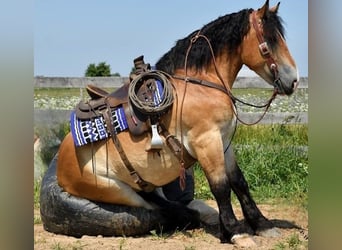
{"type": "Point", "coordinates": [243, 240]}
{"type": "Point", "coordinates": [269, 233]}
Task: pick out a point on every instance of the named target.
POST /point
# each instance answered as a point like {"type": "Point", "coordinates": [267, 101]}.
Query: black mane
{"type": "Point", "coordinates": [224, 33]}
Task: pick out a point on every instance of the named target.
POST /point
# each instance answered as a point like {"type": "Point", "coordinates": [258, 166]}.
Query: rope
{"type": "Point", "coordinates": [149, 106]}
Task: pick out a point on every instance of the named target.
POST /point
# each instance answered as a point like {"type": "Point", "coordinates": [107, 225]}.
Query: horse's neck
{"type": "Point", "coordinates": [226, 69]}
{"type": "Point", "coordinates": [223, 73]}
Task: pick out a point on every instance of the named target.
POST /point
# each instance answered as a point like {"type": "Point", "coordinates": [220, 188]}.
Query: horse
{"type": "Point", "coordinates": [202, 68]}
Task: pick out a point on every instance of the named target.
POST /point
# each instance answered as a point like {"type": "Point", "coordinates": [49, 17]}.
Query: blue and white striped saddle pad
{"type": "Point", "coordinates": [87, 131]}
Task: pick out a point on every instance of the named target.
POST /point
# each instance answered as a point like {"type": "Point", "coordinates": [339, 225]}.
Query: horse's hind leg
{"type": "Point", "coordinates": [76, 177]}
{"type": "Point", "coordinates": [240, 187]}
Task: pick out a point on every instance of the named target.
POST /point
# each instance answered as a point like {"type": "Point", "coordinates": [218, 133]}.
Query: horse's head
{"type": "Point", "coordinates": [264, 50]}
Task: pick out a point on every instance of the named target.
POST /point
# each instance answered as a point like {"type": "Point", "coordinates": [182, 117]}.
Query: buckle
{"type": "Point", "coordinates": [264, 50]}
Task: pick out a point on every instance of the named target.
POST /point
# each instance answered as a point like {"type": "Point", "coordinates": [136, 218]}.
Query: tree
{"type": "Point", "coordinates": [91, 70]}
{"type": "Point", "coordinates": [101, 69]}
{"type": "Point", "coordinates": [116, 74]}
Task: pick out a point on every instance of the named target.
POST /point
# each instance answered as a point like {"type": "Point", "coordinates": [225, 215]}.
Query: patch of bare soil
{"type": "Point", "coordinates": [291, 221]}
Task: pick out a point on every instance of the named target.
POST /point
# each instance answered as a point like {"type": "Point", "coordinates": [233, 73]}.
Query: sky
{"type": "Point", "coordinates": [71, 34]}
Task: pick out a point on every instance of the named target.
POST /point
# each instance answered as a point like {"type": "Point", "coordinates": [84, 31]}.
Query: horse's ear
{"type": "Point", "coordinates": [263, 10]}
{"type": "Point", "coordinates": [275, 8]}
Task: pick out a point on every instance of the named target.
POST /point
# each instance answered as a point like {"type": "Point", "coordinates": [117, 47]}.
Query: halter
{"type": "Point", "coordinates": [265, 51]}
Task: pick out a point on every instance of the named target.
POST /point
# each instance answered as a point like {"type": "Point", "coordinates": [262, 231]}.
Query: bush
{"type": "Point", "coordinates": [102, 69]}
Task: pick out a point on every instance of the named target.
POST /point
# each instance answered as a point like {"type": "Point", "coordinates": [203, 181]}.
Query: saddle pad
{"type": "Point", "coordinates": [87, 131]}
{"type": "Point", "coordinates": [158, 94]}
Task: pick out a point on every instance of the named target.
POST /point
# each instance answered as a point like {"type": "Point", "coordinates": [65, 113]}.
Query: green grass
{"type": "Point", "coordinates": [50, 139]}
{"type": "Point", "coordinates": [36, 193]}
{"type": "Point", "coordinates": [63, 92]}
{"type": "Point", "coordinates": [273, 135]}
{"type": "Point", "coordinates": [292, 242]}
{"type": "Point", "coordinates": [202, 189]}
{"type": "Point", "coordinates": [252, 91]}
{"type": "Point", "coordinates": [274, 160]}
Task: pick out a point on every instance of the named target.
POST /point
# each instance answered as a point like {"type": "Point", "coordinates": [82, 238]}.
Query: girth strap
{"type": "Point", "coordinates": [144, 185]}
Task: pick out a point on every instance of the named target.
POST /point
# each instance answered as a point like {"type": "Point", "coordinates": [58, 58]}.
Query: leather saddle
{"type": "Point", "coordinates": [101, 100]}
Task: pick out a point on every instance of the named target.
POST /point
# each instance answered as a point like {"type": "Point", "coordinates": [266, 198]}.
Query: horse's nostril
{"type": "Point", "coordinates": [294, 84]}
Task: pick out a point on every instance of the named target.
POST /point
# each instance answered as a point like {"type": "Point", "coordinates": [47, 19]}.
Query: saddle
{"type": "Point", "coordinates": [101, 100]}
{"type": "Point", "coordinates": [141, 90]}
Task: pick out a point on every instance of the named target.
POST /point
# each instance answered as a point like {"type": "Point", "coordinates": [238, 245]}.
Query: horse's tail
{"type": "Point", "coordinates": [65, 214]}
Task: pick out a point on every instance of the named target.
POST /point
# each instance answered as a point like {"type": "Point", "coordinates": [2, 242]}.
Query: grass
{"type": "Point", "coordinates": [77, 245]}
{"type": "Point", "coordinates": [36, 193]}
{"type": "Point", "coordinates": [59, 98]}
{"type": "Point", "coordinates": [292, 242]}
{"type": "Point", "coordinates": [202, 189]}
{"type": "Point", "coordinates": [50, 139]}
{"type": "Point", "coordinates": [37, 219]}
{"type": "Point", "coordinates": [63, 92]}
{"type": "Point", "coordinates": [274, 160]}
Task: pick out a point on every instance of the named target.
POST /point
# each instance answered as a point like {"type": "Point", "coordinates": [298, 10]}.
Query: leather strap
{"type": "Point", "coordinates": [176, 147]}
{"type": "Point", "coordinates": [202, 82]}
{"type": "Point", "coordinates": [263, 47]}
{"type": "Point", "coordinates": [144, 185]}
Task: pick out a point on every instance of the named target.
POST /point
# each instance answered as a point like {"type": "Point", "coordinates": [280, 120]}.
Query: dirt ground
{"type": "Point", "coordinates": [286, 218]}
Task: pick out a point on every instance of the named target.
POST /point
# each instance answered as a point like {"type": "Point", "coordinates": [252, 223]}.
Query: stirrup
{"type": "Point", "coordinates": [156, 141]}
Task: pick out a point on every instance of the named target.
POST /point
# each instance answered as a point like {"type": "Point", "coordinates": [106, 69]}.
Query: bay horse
{"type": "Point", "coordinates": [203, 67]}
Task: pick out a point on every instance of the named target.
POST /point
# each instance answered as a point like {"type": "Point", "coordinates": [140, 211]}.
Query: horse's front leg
{"type": "Point", "coordinates": [229, 225]}
{"type": "Point", "coordinates": [212, 160]}
{"type": "Point", "coordinates": [238, 183]}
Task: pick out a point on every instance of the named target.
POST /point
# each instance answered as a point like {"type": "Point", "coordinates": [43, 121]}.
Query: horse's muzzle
{"type": "Point", "coordinates": [283, 88]}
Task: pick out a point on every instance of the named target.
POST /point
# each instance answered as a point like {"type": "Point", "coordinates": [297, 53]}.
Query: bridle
{"type": "Point", "coordinates": [265, 52]}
